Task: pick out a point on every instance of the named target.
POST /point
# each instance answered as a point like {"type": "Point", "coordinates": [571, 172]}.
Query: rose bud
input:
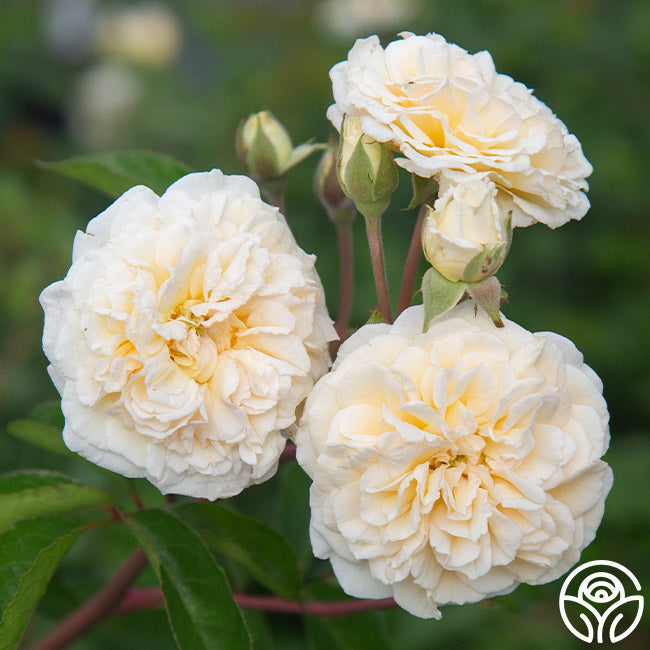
{"type": "Point", "coordinates": [466, 235]}
{"type": "Point", "coordinates": [264, 147]}
{"type": "Point", "coordinates": [339, 207]}
{"type": "Point", "coordinates": [366, 169]}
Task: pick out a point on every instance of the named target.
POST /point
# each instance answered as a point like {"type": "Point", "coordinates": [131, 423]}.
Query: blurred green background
{"type": "Point", "coordinates": [81, 76]}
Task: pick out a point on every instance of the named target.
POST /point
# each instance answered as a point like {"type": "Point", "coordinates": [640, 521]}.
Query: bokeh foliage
{"type": "Point", "coordinates": [589, 60]}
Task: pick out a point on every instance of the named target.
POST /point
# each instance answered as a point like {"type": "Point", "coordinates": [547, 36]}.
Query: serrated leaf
{"type": "Point", "coordinates": [265, 553]}
{"type": "Point", "coordinates": [200, 607]}
{"type": "Point", "coordinates": [30, 552]}
{"type": "Point", "coordinates": [39, 434]}
{"type": "Point", "coordinates": [31, 494]}
{"type": "Point", "coordinates": [114, 173]}
{"type": "Point", "coordinates": [439, 295]}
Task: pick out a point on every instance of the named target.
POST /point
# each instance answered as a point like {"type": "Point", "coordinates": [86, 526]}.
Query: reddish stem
{"type": "Point", "coordinates": [152, 597]}
{"type": "Point", "coordinates": [373, 230]}
{"type": "Point", "coordinates": [412, 263]}
{"type": "Point", "coordinates": [344, 235]}
{"type": "Point", "coordinates": [288, 453]}
{"type": "Point", "coordinates": [97, 608]}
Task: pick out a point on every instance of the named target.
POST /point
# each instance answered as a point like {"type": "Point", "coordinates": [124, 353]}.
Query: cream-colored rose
{"type": "Point", "coordinates": [451, 465]}
{"type": "Point", "coordinates": [466, 235]}
{"type": "Point", "coordinates": [186, 333]}
{"type": "Point", "coordinates": [447, 110]}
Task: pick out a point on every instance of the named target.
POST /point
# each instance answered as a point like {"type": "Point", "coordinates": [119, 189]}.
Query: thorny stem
{"type": "Point", "coordinates": [373, 230]}
{"type": "Point", "coordinates": [152, 597]}
{"type": "Point", "coordinates": [412, 263]}
{"type": "Point", "coordinates": [344, 235]}
{"type": "Point", "coordinates": [97, 608]}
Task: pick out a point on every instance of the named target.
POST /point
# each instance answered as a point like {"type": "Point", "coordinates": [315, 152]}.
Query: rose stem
{"type": "Point", "coordinates": [288, 453]}
{"type": "Point", "coordinates": [151, 597]}
{"type": "Point", "coordinates": [344, 235]}
{"type": "Point", "coordinates": [412, 263]}
{"type": "Point", "coordinates": [97, 608]}
{"type": "Point", "coordinates": [373, 230]}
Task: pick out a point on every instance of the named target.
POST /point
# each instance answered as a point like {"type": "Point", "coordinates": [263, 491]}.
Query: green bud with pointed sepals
{"type": "Point", "coordinates": [264, 147]}
{"type": "Point", "coordinates": [366, 169]}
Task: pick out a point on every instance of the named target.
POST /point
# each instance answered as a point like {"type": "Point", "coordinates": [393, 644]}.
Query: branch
{"type": "Point", "coordinates": [98, 607]}
{"type": "Point", "coordinates": [152, 597]}
{"type": "Point", "coordinates": [412, 263]}
{"type": "Point", "coordinates": [288, 453]}
{"type": "Point", "coordinates": [344, 236]}
{"type": "Point", "coordinates": [373, 230]}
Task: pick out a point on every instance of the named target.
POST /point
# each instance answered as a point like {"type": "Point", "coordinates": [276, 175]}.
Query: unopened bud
{"type": "Point", "coordinates": [264, 147]}
{"type": "Point", "coordinates": [466, 235]}
{"type": "Point", "coordinates": [366, 169]}
{"type": "Point", "coordinates": [340, 208]}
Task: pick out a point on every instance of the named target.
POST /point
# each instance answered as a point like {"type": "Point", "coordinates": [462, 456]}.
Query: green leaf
{"type": "Point", "coordinates": [30, 552]}
{"type": "Point", "coordinates": [200, 607]}
{"type": "Point", "coordinates": [265, 553]}
{"type": "Point", "coordinates": [354, 632]}
{"type": "Point", "coordinates": [39, 434]}
{"type": "Point", "coordinates": [30, 494]}
{"type": "Point", "coordinates": [357, 631]}
{"type": "Point", "coordinates": [439, 295]}
{"type": "Point", "coordinates": [48, 412]}
{"type": "Point", "coordinates": [114, 173]}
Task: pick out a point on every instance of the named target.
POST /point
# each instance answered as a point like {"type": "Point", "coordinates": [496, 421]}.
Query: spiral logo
{"type": "Point", "coordinates": [593, 601]}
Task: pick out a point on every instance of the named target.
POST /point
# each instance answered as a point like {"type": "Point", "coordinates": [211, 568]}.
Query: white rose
{"type": "Point", "coordinates": [466, 236]}
{"type": "Point", "coordinates": [186, 333]}
{"type": "Point", "coordinates": [451, 465]}
{"type": "Point", "coordinates": [445, 109]}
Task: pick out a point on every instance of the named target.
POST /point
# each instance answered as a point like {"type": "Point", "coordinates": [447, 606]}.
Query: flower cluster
{"type": "Point", "coordinates": [185, 335]}
{"type": "Point", "coordinates": [451, 465]}
{"type": "Point", "coordinates": [451, 459]}
{"type": "Point", "coordinates": [449, 113]}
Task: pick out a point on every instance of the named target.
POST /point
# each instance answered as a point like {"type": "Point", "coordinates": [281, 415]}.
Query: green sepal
{"type": "Point", "coordinates": [302, 152]}
{"type": "Point", "coordinates": [489, 260]}
{"type": "Point", "coordinates": [439, 295]}
{"type": "Point", "coordinates": [487, 294]}
{"type": "Point", "coordinates": [423, 188]}
{"type": "Point", "coordinates": [375, 317]}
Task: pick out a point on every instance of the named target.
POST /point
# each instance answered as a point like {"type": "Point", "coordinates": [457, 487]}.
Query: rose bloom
{"type": "Point", "coordinates": [447, 110]}
{"type": "Point", "coordinates": [451, 465]}
{"type": "Point", "coordinates": [186, 333]}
